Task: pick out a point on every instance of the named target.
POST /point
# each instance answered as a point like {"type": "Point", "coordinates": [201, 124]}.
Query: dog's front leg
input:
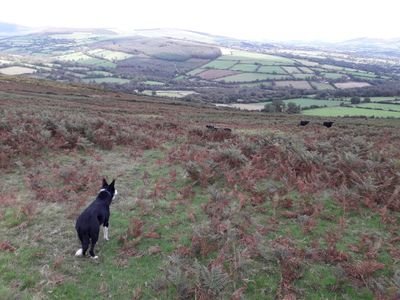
{"type": "Point", "coordinates": [105, 231]}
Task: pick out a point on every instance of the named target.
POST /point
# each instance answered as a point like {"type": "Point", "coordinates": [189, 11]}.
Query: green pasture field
{"type": "Point", "coordinates": [152, 82]}
{"type": "Point", "coordinates": [302, 76]}
{"type": "Point", "coordinates": [244, 67]}
{"type": "Point", "coordinates": [265, 83]}
{"type": "Point", "coordinates": [296, 84]}
{"type": "Point", "coordinates": [322, 85]}
{"type": "Point", "coordinates": [106, 80]}
{"type": "Point", "coordinates": [16, 70]}
{"type": "Point", "coordinates": [306, 70]}
{"type": "Point", "coordinates": [249, 77]}
{"type": "Point", "coordinates": [292, 70]}
{"type": "Point", "coordinates": [307, 62]}
{"type": "Point", "coordinates": [333, 75]}
{"type": "Point", "coordinates": [253, 57]}
{"type": "Point", "coordinates": [307, 102]}
{"type": "Point", "coordinates": [383, 106]}
{"type": "Point", "coordinates": [272, 70]}
{"type": "Point", "coordinates": [194, 72]}
{"type": "Point", "coordinates": [220, 64]}
{"type": "Point", "coordinates": [98, 73]}
{"type": "Point", "coordinates": [109, 55]}
{"type": "Point", "coordinates": [377, 99]}
{"type": "Point", "coordinates": [169, 93]}
{"type": "Point", "coordinates": [331, 67]}
{"type": "Point", "coordinates": [350, 111]}
{"type": "Point", "coordinates": [82, 58]}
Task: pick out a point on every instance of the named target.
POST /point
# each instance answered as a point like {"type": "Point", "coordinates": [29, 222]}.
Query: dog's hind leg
{"type": "Point", "coordinates": [85, 245]}
{"type": "Point", "coordinates": [79, 252]}
{"type": "Point", "coordinates": [93, 237]}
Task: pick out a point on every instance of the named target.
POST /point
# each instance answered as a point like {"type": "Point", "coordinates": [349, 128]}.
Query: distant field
{"type": "Point", "coordinates": [350, 111]}
{"type": "Point", "coordinates": [220, 64]}
{"type": "Point", "coordinates": [109, 55]}
{"type": "Point", "coordinates": [383, 106]}
{"type": "Point", "coordinates": [99, 73]}
{"type": "Point", "coordinates": [322, 85]}
{"type": "Point", "coordinates": [303, 102]}
{"type": "Point", "coordinates": [351, 84]}
{"type": "Point", "coordinates": [302, 76]}
{"type": "Point", "coordinates": [215, 74]}
{"type": "Point", "coordinates": [249, 77]}
{"type": "Point", "coordinates": [292, 70]}
{"type": "Point", "coordinates": [374, 99]}
{"type": "Point", "coordinates": [195, 72]}
{"type": "Point", "coordinates": [333, 75]}
{"type": "Point", "coordinates": [169, 93]}
{"type": "Point", "coordinates": [106, 80]}
{"type": "Point", "coordinates": [16, 70]}
{"type": "Point", "coordinates": [307, 62]}
{"type": "Point", "coordinates": [301, 84]}
{"type": "Point", "coordinates": [82, 58]}
{"type": "Point", "coordinates": [306, 70]}
{"type": "Point", "coordinates": [307, 102]}
{"type": "Point", "coordinates": [151, 82]}
{"type": "Point", "coordinates": [271, 70]}
{"type": "Point", "coordinates": [245, 67]}
{"type": "Point", "coordinates": [252, 57]}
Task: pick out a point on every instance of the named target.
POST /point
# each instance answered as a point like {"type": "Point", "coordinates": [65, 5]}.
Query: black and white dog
{"type": "Point", "coordinates": [97, 213]}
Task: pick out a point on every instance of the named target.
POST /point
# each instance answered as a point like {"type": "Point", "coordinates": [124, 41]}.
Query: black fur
{"type": "Point", "coordinates": [97, 213]}
{"type": "Point", "coordinates": [303, 123]}
{"type": "Point", "coordinates": [328, 124]}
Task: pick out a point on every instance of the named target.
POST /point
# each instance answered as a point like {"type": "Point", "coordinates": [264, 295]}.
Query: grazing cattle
{"type": "Point", "coordinates": [303, 123]}
{"type": "Point", "coordinates": [211, 127]}
{"type": "Point", "coordinates": [227, 129]}
{"type": "Point", "coordinates": [328, 124]}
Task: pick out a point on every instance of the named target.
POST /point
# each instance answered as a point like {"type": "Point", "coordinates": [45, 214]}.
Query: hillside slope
{"type": "Point", "coordinates": [267, 209]}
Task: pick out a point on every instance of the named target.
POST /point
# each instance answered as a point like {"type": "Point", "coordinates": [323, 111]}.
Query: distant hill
{"type": "Point", "coordinates": [8, 29]}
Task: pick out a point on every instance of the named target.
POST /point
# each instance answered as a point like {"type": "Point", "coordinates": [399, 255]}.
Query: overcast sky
{"type": "Point", "coordinates": [251, 19]}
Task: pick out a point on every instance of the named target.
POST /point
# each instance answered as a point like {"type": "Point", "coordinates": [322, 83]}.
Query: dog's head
{"type": "Point", "coordinates": [110, 188]}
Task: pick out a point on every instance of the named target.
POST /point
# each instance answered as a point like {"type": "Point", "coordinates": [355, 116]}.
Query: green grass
{"type": "Point", "coordinates": [253, 57]}
{"type": "Point", "coordinates": [109, 55]}
{"type": "Point", "coordinates": [244, 67]}
{"type": "Point", "coordinates": [249, 77]}
{"type": "Point", "coordinates": [306, 70]}
{"type": "Point", "coordinates": [333, 75]}
{"type": "Point", "coordinates": [350, 111]}
{"type": "Point", "coordinates": [383, 106]}
{"type": "Point", "coordinates": [302, 76]}
{"type": "Point", "coordinates": [322, 85]}
{"type": "Point", "coordinates": [169, 93]}
{"type": "Point", "coordinates": [195, 72]}
{"type": "Point", "coordinates": [292, 70]}
{"type": "Point", "coordinates": [219, 64]}
{"type": "Point", "coordinates": [271, 70]}
{"type": "Point", "coordinates": [106, 80]}
{"type": "Point", "coordinates": [306, 102]}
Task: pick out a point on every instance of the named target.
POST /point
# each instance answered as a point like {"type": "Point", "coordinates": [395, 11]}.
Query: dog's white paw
{"type": "Point", "coordinates": [106, 233]}
{"type": "Point", "coordinates": [94, 257]}
{"type": "Point", "coordinates": [79, 252]}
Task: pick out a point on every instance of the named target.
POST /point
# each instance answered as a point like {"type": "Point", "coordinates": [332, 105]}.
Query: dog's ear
{"type": "Point", "coordinates": [105, 184]}
{"type": "Point", "coordinates": [112, 183]}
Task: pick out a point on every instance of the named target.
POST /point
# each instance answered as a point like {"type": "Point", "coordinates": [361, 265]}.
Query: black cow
{"type": "Point", "coordinates": [227, 129]}
{"type": "Point", "coordinates": [303, 123]}
{"type": "Point", "coordinates": [328, 124]}
{"type": "Point", "coordinates": [211, 127]}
